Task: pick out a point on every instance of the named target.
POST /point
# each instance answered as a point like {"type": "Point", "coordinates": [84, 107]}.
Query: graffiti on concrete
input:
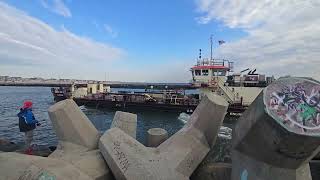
{"type": "Point", "coordinates": [244, 175]}
{"type": "Point", "coordinates": [45, 176]}
{"type": "Point", "coordinates": [121, 156]}
{"type": "Point", "coordinates": [297, 105]}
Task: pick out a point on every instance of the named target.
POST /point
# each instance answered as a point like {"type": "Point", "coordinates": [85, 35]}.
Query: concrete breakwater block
{"type": "Point", "coordinates": [127, 122]}
{"type": "Point", "coordinates": [315, 169]}
{"type": "Point", "coordinates": [15, 166]}
{"type": "Point", "coordinates": [78, 140]}
{"type": "Point", "coordinates": [156, 136]}
{"type": "Point", "coordinates": [280, 132]}
{"type": "Point", "coordinates": [72, 125]}
{"type": "Point", "coordinates": [76, 156]}
{"type": "Point", "coordinates": [177, 157]}
{"type": "Point", "coordinates": [89, 162]}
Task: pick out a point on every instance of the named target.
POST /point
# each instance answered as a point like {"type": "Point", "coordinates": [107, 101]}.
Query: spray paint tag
{"type": "Point", "coordinates": [46, 176]}
{"type": "Point", "coordinates": [295, 104]}
{"type": "Point", "coordinates": [244, 175]}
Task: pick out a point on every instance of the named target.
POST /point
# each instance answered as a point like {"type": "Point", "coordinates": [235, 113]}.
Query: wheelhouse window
{"type": "Point", "coordinates": [214, 73]}
{"type": "Point", "coordinates": [222, 73]}
{"type": "Point", "coordinates": [219, 73]}
{"type": "Point", "coordinates": [205, 72]}
{"type": "Point", "coordinates": [197, 72]}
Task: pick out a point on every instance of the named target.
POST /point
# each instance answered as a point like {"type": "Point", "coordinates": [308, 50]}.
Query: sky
{"type": "Point", "coordinates": [156, 41]}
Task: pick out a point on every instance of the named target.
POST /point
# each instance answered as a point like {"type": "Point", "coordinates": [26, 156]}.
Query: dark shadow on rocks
{"type": "Point", "coordinates": [38, 150]}
{"type": "Point", "coordinates": [217, 164]}
{"type": "Point", "coordinates": [7, 146]}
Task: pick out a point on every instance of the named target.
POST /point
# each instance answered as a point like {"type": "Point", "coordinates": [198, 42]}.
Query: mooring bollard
{"type": "Point", "coordinates": [156, 136]}
{"type": "Point", "coordinates": [280, 132]}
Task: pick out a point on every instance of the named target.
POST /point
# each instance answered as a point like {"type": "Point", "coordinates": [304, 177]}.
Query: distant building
{"type": "Point", "coordinates": [14, 79]}
{"type": "Point", "coordinates": [4, 78]}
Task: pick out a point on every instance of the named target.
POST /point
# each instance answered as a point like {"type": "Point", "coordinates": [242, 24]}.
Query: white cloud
{"type": "Point", "coordinates": [56, 6]}
{"type": "Point", "coordinates": [174, 71]}
{"type": "Point", "coordinates": [283, 36]}
{"type": "Point", "coordinates": [110, 31]}
{"type": "Point", "coordinates": [33, 47]}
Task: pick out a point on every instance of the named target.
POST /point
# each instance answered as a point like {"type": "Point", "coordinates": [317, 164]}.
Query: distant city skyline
{"type": "Point", "coordinates": [158, 41]}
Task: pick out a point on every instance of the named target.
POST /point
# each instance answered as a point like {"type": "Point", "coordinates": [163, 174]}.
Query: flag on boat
{"type": "Point", "coordinates": [221, 42]}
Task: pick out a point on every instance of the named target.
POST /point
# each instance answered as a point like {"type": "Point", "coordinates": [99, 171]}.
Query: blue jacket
{"type": "Point", "coordinates": [27, 121]}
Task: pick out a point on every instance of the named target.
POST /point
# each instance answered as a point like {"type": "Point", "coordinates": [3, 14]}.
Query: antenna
{"type": "Point", "coordinates": [211, 46]}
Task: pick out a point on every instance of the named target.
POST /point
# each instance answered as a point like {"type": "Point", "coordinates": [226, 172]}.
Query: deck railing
{"type": "Point", "coordinates": [215, 62]}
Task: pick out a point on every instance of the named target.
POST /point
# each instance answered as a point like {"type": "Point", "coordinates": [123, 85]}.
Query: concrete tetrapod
{"type": "Point", "coordinates": [127, 122]}
{"type": "Point", "coordinates": [15, 166]}
{"type": "Point", "coordinates": [76, 157]}
{"type": "Point", "coordinates": [176, 158]}
{"type": "Point", "coordinates": [72, 125]}
{"type": "Point", "coordinates": [280, 132]}
{"type": "Point", "coordinates": [78, 140]}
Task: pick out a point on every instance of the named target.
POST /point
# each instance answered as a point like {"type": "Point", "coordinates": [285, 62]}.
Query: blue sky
{"type": "Point", "coordinates": [147, 40]}
{"type": "Point", "coordinates": [157, 30]}
{"type": "Point", "coordinates": [161, 24]}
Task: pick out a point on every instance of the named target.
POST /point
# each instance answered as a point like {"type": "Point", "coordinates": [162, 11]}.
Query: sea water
{"type": "Point", "coordinates": [12, 98]}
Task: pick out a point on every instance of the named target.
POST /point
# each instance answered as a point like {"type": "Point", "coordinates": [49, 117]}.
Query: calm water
{"type": "Point", "coordinates": [12, 98]}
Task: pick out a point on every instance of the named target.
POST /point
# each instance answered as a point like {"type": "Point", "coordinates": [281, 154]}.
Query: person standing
{"type": "Point", "coordinates": [27, 123]}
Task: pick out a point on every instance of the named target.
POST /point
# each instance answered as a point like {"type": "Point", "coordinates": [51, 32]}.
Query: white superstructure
{"type": "Point", "coordinates": [214, 76]}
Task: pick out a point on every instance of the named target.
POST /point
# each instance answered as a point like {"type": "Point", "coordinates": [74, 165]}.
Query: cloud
{"type": "Point", "coordinates": [27, 41]}
{"type": "Point", "coordinates": [283, 36]}
{"type": "Point", "coordinates": [56, 6]}
{"type": "Point", "coordinates": [110, 31]}
{"type": "Point", "coordinates": [175, 71]}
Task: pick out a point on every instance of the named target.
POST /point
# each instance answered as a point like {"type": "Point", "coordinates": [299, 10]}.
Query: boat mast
{"type": "Point", "coordinates": [211, 46]}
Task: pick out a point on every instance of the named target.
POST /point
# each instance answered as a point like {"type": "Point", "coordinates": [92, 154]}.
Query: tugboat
{"type": "Point", "coordinates": [239, 89]}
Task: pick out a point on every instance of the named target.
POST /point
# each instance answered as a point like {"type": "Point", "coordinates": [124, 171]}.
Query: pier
{"type": "Point", "coordinates": [127, 85]}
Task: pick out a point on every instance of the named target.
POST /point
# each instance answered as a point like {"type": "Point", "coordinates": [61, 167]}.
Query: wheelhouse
{"type": "Point", "coordinates": [207, 70]}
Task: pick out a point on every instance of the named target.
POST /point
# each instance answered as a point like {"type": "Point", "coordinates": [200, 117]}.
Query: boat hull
{"type": "Point", "coordinates": [150, 106]}
{"type": "Point", "coordinates": [120, 105]}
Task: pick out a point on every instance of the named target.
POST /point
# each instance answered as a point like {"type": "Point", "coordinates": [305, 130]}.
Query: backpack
{"type": "Point", "coordinates": [23, 125]}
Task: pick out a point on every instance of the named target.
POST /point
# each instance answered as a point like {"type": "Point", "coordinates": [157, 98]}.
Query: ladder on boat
{"type": "Point", "coordinates": [226, 91]}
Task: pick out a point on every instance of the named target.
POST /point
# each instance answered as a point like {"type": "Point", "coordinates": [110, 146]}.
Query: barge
{"type": "Point", "coordinates": [102, 97]}
{"type": "Point", "coordinates": [153, 100]}
{"type": "Point", "coordinates": [209, 76]}
{"type": "Point", "coordinates": [165, 100]}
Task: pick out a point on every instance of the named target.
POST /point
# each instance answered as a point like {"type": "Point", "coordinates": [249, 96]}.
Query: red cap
{"type": "Point", "coordinates": [27, 104]}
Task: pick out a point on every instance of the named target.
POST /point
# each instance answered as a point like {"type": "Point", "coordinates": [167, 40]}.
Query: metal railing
{"type": "Point", "coordinates": [215, 62]}
{"type": "Point", "coordinates": [227, 91]}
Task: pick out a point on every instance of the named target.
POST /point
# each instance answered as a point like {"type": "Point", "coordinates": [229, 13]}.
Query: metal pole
{"type": "Point", "coordinates": [211, 47]}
